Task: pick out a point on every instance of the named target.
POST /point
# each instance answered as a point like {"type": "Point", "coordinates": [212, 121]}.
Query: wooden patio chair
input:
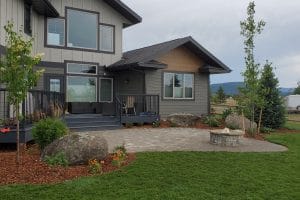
{"type": "Point", "coordinates": [129, 105]}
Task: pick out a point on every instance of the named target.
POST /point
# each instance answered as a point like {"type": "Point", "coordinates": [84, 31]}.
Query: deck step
{"type": "Point", "coordinates": [91, 122]}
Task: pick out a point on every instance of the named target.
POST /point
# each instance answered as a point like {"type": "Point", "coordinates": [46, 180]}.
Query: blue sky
{"type": "Point", "coordinates": [215, 25]}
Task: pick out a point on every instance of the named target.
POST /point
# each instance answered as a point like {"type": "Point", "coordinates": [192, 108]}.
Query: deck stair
{"type": "Point", "coordinates": [91, 122]}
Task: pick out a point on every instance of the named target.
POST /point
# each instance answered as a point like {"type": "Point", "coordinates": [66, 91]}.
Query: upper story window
{"type": "Point", "coordinates": [27, 18]}
{"type": "Point", "coordinates": [178, 86]}
{"type": "Point", "coordinates": [56, 32]}
{"type": "Point", "coordinates": [82, 29]}
{"type": "Point", "coordinates": [107, 38]}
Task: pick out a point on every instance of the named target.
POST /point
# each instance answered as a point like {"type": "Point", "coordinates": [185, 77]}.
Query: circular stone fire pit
{"type": "Point", "coordinates": [226, 137]}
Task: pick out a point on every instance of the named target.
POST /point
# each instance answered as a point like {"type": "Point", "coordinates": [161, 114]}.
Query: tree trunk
{"type": "Point", "coordinates": [259, 122]}
{"type": "Point", "coordinates": [18, 136]}
{"type": "Point", "coordinates": [244, 128]}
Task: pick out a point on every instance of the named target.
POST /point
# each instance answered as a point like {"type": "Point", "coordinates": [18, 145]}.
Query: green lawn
{"type": "Point", "coordinates": [186, 175]}
{"type": "Point", "coordinates": [292, 125]}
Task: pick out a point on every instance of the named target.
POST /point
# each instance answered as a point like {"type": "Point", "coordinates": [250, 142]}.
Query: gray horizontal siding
{"type": "Point", "coordinates": [199, 106]}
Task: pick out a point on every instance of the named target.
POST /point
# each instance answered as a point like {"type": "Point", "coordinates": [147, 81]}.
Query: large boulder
{"type": "Point", "coordinates": [183, 119]}
{"type": "Point", "coordinates": [79, 148]}
{"type": "Point", "coordinates": [235, 121]}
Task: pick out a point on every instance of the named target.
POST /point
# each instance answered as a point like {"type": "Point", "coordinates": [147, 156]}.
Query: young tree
{"type": "Point", "coordinates": [273, 112]}
{"type": "Point", "coordinates": [17, 73]}
{"type": "Point", "coordinates": [249, 29]}
{"type": "Point", "coordinates": [297, 90]}
{"type": "Point", "coordinates": [221, 96]}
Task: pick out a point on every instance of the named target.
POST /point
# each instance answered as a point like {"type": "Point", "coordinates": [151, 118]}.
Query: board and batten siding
{"type": "Point", "coordinates": [129, 83]}
{"type": "Point", "coordinates": [180, 60]}
{"type": "Point", "coordinates": [13, 10]}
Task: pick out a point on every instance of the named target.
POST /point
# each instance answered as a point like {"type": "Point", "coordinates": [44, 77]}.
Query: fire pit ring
{"type": "Point", "coordinates": [226, 137]}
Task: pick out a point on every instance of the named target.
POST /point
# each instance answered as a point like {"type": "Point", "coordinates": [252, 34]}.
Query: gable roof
{"type": "Point", "coordinates": [44, 7]}
{"type": "Point", "coordinates": [141, 57]}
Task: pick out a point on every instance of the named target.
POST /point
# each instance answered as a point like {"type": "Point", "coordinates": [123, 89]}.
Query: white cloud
{"type": "Point", "coordinates": [288, 70]}
{"type": "Point", "coordinates": [215, 25]}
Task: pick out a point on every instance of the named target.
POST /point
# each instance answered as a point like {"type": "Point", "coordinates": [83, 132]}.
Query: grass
{"type": "Point", "coordinates": [186, 175]}
{"type": "Point", "coordinates": [292, 125]}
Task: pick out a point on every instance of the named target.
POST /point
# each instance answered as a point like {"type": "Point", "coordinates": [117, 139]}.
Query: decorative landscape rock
{"type": "Point", "coordinates": [226, 137]}
{"type": "Point", "coordinates": [235, 121]}
{"type": "Point", "coordinates": [183, 119]}
{"type": "Point", "coordinates": [79, 148]}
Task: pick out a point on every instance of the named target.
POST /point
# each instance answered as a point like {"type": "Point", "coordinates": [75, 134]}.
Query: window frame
{"type": "Point", "coordinates": [78, 73]}
{"type": "Point", "coordinates": [184, 97]}
{"type": "Point", "coordinates": [47, 29]}
{"type": "Point", "coordinates": [112, 89]}
{"type": "Point", "coordinates": [113, 38]}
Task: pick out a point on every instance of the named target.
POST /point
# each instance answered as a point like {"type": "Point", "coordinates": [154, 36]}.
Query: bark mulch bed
{"type": "Point", "coordinates": [33, 171]}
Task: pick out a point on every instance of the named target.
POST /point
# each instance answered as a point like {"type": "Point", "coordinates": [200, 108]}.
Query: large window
{"type": "Point", "coordinates": [106, 90]}
{"type": "Point", "coordinates": [56, 32]}
{"type": "Point", "coordinates": [178, 86]}
{"type": "Point", "coordinates": [82, 29]}
{"type": "Point", "coordinates": [81, 89]}
{"type": "Point", "coordinates": [75, 68]}
{"type": "Point", "coordinates": [106, 38]}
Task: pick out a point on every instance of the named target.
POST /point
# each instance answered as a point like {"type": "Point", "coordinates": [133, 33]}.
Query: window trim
{"type": "Point", "coordinates": [113, 37]}
{"type": "Point", "coordinates": [96, 85]}
{"type": "Point", "coordinates": [67, 28]}
{"type": "Point", "coordinates": [46, 32]}
{"type": "Point", "coordinates": [112, 89]}
{"type": "Point", "coordinates": [78, 73]}
{"type": "Point", "coordinates": [173, 98]}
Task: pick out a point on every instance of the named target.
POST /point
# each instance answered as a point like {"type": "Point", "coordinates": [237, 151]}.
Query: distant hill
{"type": "Point", "coordinates": [231, 88]}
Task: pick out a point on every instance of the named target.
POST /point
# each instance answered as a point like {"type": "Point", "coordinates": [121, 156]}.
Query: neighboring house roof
{"type": "Point", "coordinates": [44, 7]}
{"type": "Point", "coordinates": [146, 57]}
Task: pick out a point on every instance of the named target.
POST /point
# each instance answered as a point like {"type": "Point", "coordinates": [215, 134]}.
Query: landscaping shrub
{"type": "Point", "coordinates": [212, 121]}
{"type": "Point", "coordinates": [47, 130]}
{"type": "Point", "coordinates": [266, 130]}
{"type": "Point", "coordinates": [156, 124]}
{"type": "Point", "coordinates": [226, 113]}
{"type": "Point", "coordinates": [129, 125]}
{"type": "Point", "coordinates": [58, 159]}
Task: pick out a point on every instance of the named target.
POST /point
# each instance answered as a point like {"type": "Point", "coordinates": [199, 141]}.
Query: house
{"type": "Point", "coordinates": [82, 42]}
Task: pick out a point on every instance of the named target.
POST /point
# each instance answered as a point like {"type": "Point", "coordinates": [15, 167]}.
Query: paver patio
{"type": "Point", "coordinates": [178, 139]}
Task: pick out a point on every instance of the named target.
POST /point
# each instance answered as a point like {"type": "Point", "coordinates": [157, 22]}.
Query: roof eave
{"type": "Point", "coordinates": [214, 70]}
{"type": "Point", "coordinates": [44, 7]}
{"type": "Point", "coordinates": [127, 12]}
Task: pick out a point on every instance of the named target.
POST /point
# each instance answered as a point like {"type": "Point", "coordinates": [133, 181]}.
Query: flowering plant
{"type": "Point", "coordinates": [5, 130]}
{"type": "Point", "coordinates": [119, 156]}
{"type": "Point", "coordinates": [95, 167]}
